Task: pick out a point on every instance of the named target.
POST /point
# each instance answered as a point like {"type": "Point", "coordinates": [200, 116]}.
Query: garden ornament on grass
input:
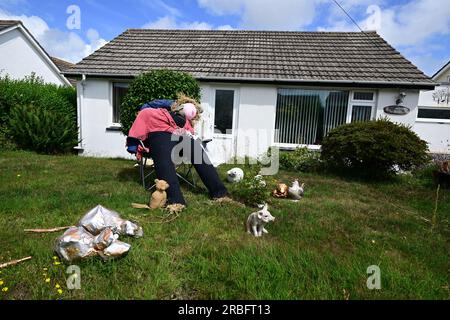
{"type": "Point", "coordinates": [235, 175]}
{"type": "Point", "coordinates": [257, 220]}
{"type": "Point", "coordinates": [296, 191]}
{"type": "Point", "coordinates": [281, 191]}
{"type": "Point", "coordinates": [158, 198]}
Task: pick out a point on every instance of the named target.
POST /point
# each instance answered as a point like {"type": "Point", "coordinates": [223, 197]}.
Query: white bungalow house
{"type": "Point", "coordinates": [259, 88]}
{"type": "Point", "coordinates": [433, 119]}
{"type": "Point", "coordinates": [21, 55]}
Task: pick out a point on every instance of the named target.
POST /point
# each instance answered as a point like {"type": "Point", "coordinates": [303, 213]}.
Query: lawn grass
{"type": "Point", "coordinates": [318, 248]}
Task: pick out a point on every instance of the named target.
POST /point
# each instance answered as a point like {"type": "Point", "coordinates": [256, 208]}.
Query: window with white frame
{"type": "Point", "coordinates": [119, 90]}
{"type": "Point", "coordinates": [305, 116]}
{"type": "Point", "coordinates": [434, 113]}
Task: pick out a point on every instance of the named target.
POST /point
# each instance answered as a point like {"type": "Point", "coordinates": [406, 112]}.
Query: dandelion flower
{"type": "Point", "coordinates": [18, 175]}
{"type": "Point", "coordinates": [57, 286]}
{"type": "Point", "coordinates": [55, 258]}
{"type": "Point", "coordinates": [1, 282]}
{"type": "Point", "coordinates": [5, 289]}
{"type": "Point", "coordinates": [47, 280]}
{"type": "Point", "coordinates": [60, 291]}
{"type": "Point", "coordinates": [45, 269]}
{"type": "Point", "coordinates": [56, 263]}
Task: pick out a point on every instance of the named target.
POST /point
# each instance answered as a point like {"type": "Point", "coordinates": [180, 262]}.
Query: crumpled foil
{"type": "Point", "coordinates": [104, 239]}
{"type": "Point", "coordinates": [75, 244]}
{"type": "Point", "coordinates": [97, 234]}
{"type": "Point", "coordinates": [115, 250]}
{"type": "Point", "coordinates": [100, 218]}
{"type": "Point", "coordinates": [130, 228]}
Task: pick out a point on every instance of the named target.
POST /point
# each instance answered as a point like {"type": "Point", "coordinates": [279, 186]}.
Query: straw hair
{"type": "Point", "coordinates": [182, 99]}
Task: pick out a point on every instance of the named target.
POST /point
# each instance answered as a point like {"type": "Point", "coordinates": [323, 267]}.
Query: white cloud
{"type": "Point", "coordinates": [62, 44]}
{"type": "Point", "coordinates": [170, 22]}
{"type": "Point", "coordinates": [402, 25]}
{"type": "Point", "coordinates": [265, 14]}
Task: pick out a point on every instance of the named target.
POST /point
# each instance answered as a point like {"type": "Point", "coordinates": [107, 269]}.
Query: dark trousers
{"type": "Point", "coordinates": [161, 146]}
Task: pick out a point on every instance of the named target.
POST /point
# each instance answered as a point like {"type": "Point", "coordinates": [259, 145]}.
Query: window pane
{"type": "Point", "coordinates": [434, 114]}
{"type": "Point", "coordinates": [361, 113]}
{"type": "Point", "coordinates": [365, 96]}
{"type": "Point", "coordinates": [223, 113]}
{"type": "Point", "coordinates": [306, 116]}
{"type": "Point", "coordinates": [119, 91]}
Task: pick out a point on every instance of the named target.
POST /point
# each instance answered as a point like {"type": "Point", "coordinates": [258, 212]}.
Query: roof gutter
{"type": "Point", "coordinates": [309, 82]}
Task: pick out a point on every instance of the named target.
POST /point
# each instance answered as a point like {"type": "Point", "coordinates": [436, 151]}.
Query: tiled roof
{"type": "Point", "coordinates": [255, 55]}
{"type": "Point", "coordinates": [4, 24]}
{"type": "Point", "coordinates": [62, 64]}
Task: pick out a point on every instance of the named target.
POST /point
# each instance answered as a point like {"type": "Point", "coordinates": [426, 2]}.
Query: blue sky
{"type": "Point", "coordinates": [419, 29]}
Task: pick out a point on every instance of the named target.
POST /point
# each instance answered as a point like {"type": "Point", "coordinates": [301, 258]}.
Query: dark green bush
{"type": "Point", "coordinates": [33, 91]}
{"type": "Point", "coordinates": [35, 128]}
{"type": "Point", "coordinates": [373, 149]}
{"type": "Point", "coordinates": [301, 159]}
{"type": "Point", "coordinates": [157, 84]}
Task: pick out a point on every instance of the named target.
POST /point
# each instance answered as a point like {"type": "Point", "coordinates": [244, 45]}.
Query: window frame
{"type": "Point", "coordinates": [235, 116]}
{"type": "Point", "coordinates": [432, 120]}
{"type": "Point", "coordinates": [351, 102]}
{"type": "Point", "coordinates": [111, 118]}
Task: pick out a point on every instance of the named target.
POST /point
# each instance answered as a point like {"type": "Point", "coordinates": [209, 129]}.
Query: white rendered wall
{"type": "Point", "coordinates": [95, 114]}
{"type": "Point", "coordinates": [19, 58]}
{"type": "Point", "coordinates": [388, 97]}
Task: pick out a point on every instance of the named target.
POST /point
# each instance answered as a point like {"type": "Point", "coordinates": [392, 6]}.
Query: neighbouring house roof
{"type": "Point", "coordinates": [64, 65]}
{"type": "Point", "coordinates": [441, 70]}
{"type": "Point", "coordinates": [4, 24]}
{"type": "Point", "coordinates": [276, 56]}
{"type": "Point", "coordinates": [13, 24]}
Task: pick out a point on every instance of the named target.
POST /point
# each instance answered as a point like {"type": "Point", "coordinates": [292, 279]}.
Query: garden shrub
{"type": "Point", "coordinates": [373, 149]}
{"type": "Point", "coordinates": [156, 84]}
{"type": "Point", "coordinates": [32, 90]}
{"type": "Point", "coordinates": [38, 129]}
{"type": "Point", "coordinates": [250, 190]}
{"type": "Point", "coordinates": [301, 159]}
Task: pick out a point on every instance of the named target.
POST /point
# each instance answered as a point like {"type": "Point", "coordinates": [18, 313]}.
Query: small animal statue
{"type": "Point", "coordinates": [281, 191]}
{"type": "Point", "coordinates": [235, 175]}
{"type": "Point", "coordinates": [296, 191]}
{"type": "Point", "coordinates": [257, 220]}
{"type": "Point", "coordinates": [158, 198]}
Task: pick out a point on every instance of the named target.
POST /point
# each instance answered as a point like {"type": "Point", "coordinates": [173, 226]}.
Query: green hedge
{"type": "Point", "coordinates": [156, 84]}
{"type": "Point", "coordinates": [373, 149]}
{"type": "Point", "coordinates": [59, 101]}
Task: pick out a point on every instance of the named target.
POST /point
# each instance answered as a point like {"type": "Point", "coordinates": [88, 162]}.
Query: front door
{"type": "Point", "coordinates": [225, 110]}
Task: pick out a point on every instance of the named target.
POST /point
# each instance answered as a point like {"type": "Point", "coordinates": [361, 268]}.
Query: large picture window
{"type": "Point", "coordinates": [306, 116]}
{"type": "Point", "coordinates": [119, 91]}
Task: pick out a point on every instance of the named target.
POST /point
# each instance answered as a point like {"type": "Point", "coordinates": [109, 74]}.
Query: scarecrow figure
{"type": "Point", "coordinates": [169, 135]}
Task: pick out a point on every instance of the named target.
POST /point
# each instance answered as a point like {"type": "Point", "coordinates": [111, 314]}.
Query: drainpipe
{"type": "Point", "coordinates": [80, 135]}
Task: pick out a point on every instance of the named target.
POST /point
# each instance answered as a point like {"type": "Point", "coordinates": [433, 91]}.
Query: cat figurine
{"type": "Point", "coordinates": [257, 220]}
{"type": "Point", "coordinates": [296, 191]}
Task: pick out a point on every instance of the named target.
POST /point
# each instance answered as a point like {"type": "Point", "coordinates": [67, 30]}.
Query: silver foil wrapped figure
{"type": "Point", "coordinates": [75, 244]}
{"type": "Point", "coordinates": [97, 234]}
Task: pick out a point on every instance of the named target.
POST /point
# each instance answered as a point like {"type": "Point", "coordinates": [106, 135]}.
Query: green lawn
{"type": "Point", "coordinates": [318, 248]}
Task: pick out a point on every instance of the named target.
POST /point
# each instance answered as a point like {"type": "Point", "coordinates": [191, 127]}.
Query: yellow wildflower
{"type": "Point", "coordinates": [1, 282]}
{"type": "Point", "coordinates": [60, 291]}
{"type": "Point", "coordinates": [5, 289]}
{"type": "Point", "coordinates": [57, 286]}
{"type": "Point", "coordinates": [55, 258]}
{"type": "Point", "coordinates": [45, 269]}
{"type": "Point", "coordinates": [47, 280]}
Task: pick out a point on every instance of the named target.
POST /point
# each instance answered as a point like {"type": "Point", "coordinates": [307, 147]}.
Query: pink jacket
{"type": "Point", "coordinates": [153, 120]}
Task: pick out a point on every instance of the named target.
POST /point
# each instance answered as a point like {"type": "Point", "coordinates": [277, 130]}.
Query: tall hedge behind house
{"type": "Point", "coordinates": [156, 84]}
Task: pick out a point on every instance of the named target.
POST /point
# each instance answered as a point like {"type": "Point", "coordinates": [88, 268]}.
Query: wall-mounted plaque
{"type": "Point", "coordinates": [397, 110]}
